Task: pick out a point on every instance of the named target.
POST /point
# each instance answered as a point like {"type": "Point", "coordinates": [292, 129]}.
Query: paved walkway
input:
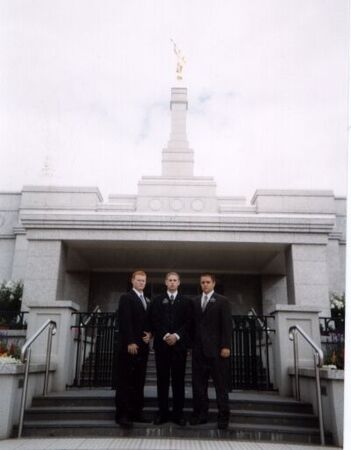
{"type": "Point", "coordinates": [146, 444]}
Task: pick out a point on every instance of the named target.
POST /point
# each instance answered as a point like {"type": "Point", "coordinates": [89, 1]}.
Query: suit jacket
{"type": "Point", "coordinates": [213, 327]}
{"type": "Point", "coordinates": [133, 321]}
{"type": "Point", "coordinates": [168, 318]}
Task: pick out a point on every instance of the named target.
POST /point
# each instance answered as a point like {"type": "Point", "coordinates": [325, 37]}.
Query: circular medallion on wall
{"type": "Point", "coordinates": [155, 204]}
{"type": "Point", "coordinates": [177, 204]}
{"type": "Point", "coordinates": [197, 205]}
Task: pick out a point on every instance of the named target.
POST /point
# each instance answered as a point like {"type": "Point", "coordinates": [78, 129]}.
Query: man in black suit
{"type": "Point", "coordinates": [211, 351]}
{"type": "Point", "coordinates": [171, 316]}
{"type": "Point", "coordinates": [132, 353]}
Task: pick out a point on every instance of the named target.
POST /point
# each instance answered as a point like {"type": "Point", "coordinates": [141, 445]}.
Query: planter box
{"type": "Point", "coordinates": [11, 381]}
{"type": "Point", "coordinates": [10, 336]}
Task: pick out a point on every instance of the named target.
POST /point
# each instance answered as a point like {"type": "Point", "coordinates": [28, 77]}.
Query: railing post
{"type": "Point", "coordinates": [25, 358]}
{"type": "Point", "coordinates": [296, 364]}
{"type": "Point", "coordinates": [24, 393]}
{"type": "Point", "coordinates": [47, 360]}
{"type": "Point", "coordinates": [318, 362]}
{"type": "Point", "coordinates": [319, 398]}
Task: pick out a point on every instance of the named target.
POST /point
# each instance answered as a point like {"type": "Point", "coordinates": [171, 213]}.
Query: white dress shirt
{"type": "Point", "coordinates": [172, 293]}
{"type": "Point", "coordinates": [141, 296]}
{"type": "Point", "coordinates": [174, 297]}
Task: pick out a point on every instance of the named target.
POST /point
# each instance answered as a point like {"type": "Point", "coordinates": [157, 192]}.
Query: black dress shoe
{"type": "Point", "coordinates": [159, 419]}
{"type": "Point", "coordinates": [125, 422]}
{"type": "Point", "coordinates": [141, 419]}
{"type": "Point", "coordinates": [223, 424]}
{"type": "Point", "coordinates": [179, 420]}
{"type": "Point", "coordinates": [196, 420]}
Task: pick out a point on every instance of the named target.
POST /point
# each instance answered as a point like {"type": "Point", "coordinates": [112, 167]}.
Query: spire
{"type": "Point", "coordinates": [177, 157]}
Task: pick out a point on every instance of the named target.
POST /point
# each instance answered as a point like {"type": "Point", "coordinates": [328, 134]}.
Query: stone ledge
{"type": "Point", "coordinates": [295, 308]}
{"type": "Point", "coordinates": [325, 373]}
{"type": "Point", "coordinates": [54, 305]}
{"type": "Point", "coordinates": [18, 368]}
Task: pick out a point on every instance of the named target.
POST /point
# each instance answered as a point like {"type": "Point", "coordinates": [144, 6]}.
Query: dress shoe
{"type": "Point", "coordinates": [159, 419]}
{"type": "Point", "coordinates": [179, 420]}
{"type": "Point", "coordinates": [223, 424]}
{"type": "Point", "coordinates": [196, 420]}
{"type": "Point", "coordinates": [125, 422]}
{"type": "Point", "coordinates": [141, 418]}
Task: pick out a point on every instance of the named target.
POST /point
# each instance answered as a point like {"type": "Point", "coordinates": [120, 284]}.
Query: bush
{"type": "Point", "coordinates": [11, 295]}
{"type": "Point", "coordinates": [337, 305]}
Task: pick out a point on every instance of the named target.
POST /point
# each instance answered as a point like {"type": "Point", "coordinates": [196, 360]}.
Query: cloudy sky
{"type": "Point", "coordinates": [85, 85]}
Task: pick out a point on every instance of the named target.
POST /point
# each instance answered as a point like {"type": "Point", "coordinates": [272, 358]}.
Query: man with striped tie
{"type": "Point", "coordinates": [211, 351]}
{"type": "Point", "coordinates": [132, 352]}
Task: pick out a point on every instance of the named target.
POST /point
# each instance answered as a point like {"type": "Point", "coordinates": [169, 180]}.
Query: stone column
{"type": "Point", "coordinates": [44, 276]}
{"type": "Point", "coordinates": [20, 257]}
{"type": "Point", "coordinates": [63, 346]}
{"type": "Point", "coordinates": [43, 295]}
{"type": "Point", "coordinates": [274, 290]}
{"type": "Point", "coordinates": [285, 316]}
{"type": "Point", "coordinates": [178, 158]}
{"type": "Point", "coordinates": [307, 276]}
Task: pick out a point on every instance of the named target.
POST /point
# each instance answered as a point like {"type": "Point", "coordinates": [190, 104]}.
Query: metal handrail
{"type": "Point", "coordinates": [318, 358]}
{"type": "Point", "coordinates": [25, 358]}
{"type": "Point", "coordinates": [85, 322]}
{"type": "Point", "coordinates": [252, 312]}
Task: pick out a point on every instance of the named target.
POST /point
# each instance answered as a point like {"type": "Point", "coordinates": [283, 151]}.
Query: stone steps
{"type": "Point", "coordinates": [76, 413]}
{"type": "Point", "coordinates": [242, 431]}
{"type": "Point", "coordinates": [254, 416]}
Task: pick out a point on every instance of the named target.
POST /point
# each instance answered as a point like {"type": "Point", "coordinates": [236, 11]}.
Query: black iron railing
{"type": "Point", "coordinates": [333, 340]}
{"type": "Point", "coordinates": [252, 352]}
{"type": "Point", "coordinates": [96, 337]}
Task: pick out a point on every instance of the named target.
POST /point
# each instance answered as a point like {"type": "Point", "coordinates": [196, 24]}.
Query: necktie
{"type": "Point", "coordinates": [172, 299]}
{"type": "Point", "coordinates": [143, 301]}
{"type": "Point", "coordinates": [204, 304]}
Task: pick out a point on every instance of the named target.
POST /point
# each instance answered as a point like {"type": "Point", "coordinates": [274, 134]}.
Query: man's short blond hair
{"type": "Point", "coordinates": [138, 272]}
{"type": "Point", "coordinates": [172, 273]}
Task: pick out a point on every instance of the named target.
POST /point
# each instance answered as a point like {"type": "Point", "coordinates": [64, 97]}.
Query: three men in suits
{"type": "Point", "coordinates": [211, 351]}
{"type": "Point", "coordinates": [132, 353]}
{"type": "Point", "coordinates": [171, 317]}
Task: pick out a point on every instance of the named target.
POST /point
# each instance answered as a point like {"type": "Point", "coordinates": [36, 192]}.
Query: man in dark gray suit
{"type": "Point", "coordinates": [132, 352]}
{"type": "Point", "coordinates": [211, 351]}
{"type": "Point", "coordinates": [171, 317]}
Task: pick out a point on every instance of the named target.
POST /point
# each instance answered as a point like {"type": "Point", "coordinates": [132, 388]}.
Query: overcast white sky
{"type": "Point", "coordinates": [87, 84]}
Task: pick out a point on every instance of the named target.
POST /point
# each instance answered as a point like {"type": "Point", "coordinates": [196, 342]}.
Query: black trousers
{"type": "Point", "coordinates": [170, 364]}
{"type": "Point", "coordinates": [130, 381]}
{"type": "Point", "coordinates": [202, 368]}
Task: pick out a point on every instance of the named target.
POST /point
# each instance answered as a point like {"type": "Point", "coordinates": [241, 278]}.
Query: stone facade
{"type": "Point", "coordinates": [292, 242]}
{"type": "Point", "coordinates": [282, 253]}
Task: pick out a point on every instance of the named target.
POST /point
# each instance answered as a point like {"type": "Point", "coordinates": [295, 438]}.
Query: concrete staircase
{"type": "Point", "coordinates": [254, 416]}
{"type": "Point", "coordinates": [151, 378]}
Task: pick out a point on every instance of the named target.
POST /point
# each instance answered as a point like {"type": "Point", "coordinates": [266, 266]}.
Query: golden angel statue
{"type": "Point", "coordinates": [180, 61]}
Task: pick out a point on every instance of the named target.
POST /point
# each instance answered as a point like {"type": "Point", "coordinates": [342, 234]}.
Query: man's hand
{"type": "Point", "coordinates": [171, 339]}
{"type": "Point", "coordinates": [146, 337]}
{"type": "Point", "coordinates": [225, 352]}
{"type": "Point", "coordinates": [133, 349]}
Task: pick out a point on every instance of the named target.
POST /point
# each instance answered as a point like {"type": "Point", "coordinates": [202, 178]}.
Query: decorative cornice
{"type": "Point", "coordinates": [7, 236]}
{"type": "Point", "coordinates": [19, 230]}
{"type": "Point", "coordinates": [336, 235]}
{"type": "Point", "coordinates": [248, 223]}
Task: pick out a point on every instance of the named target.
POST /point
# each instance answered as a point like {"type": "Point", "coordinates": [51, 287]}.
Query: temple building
{"type": "Point", "coordinates": [278, 258]}
{"type": "Point", "coordinates": [67, 243]}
